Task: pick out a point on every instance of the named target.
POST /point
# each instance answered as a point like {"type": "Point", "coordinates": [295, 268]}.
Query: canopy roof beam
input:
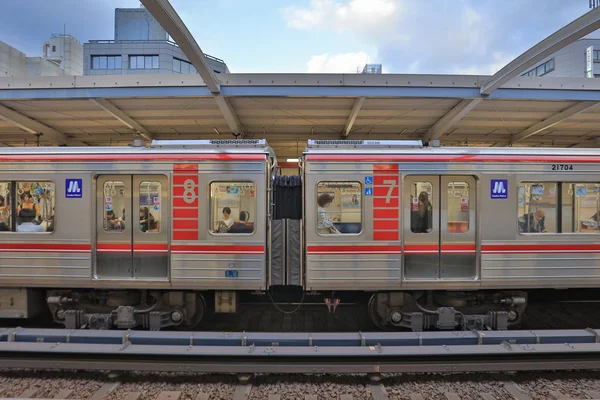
{"type": "Point", "coordinates": [125, 119]}
{"type": "Point", "coordinates": [577, 29]}
{"type": "Point", "coordinates": [358, 103]}
{"type": "Point", "coordinates": [230, 116]}
{"type": "Point", "coordinates": [553, 120]}
{"type": "Point", "coordinates": [449, 120]}
{"type": "Point", "coordinates": [31, 125]}
{"type": "Point", "coordinates": [167, 17]}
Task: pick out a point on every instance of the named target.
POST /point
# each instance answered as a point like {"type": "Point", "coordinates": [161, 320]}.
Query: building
{"type": "Point", "coordinates": [141, 46]}
{"type": "Point", "coordinates": [372, 69]}
{"type": "Point", "coordinates": [62, 55]}
{"type": "Point", "coordinates": [570, 61]}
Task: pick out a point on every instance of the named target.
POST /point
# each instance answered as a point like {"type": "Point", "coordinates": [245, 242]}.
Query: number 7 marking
{"type": "Point", "coordinates": [392, 184]}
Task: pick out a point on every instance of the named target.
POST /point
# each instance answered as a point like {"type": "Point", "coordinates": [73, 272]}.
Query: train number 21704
{"type": "Point", "coordinates": [562, 167]}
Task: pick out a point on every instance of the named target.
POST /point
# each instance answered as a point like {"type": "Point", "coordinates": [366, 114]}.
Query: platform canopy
{"type": "Point", "coordinates": [287, 109]}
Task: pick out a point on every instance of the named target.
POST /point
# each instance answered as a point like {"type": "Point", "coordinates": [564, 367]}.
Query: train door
{"type": "Point", "coordinates": [440, 227]}
{"type": "Point", "coordinates": [132, 227]}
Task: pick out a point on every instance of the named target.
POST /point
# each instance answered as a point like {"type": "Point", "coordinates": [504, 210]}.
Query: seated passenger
{"type": "Point", "coordinates": [26, 222]}
{"type": "Point", "coordinates": [146, 219]}
{"type": "Point", "coordinates": [28, 204]}
{"type": "Point", "coordinates": [112, 222]}
{"type": "Point", "coordinates": [4, 210]}
{"type": "Point", "coordinates": [533, 222]}
{"type": "Point", "coordinates": [242, 226]}
{"type": "Point", "coordinates": [226, 223]}
{"type": "Point", "coordinates": [324, 223]}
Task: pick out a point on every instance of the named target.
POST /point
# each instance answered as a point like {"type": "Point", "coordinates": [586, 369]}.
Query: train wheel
{"type": "Point", "coordinates": [192, 323]}
{"type": "Point", "coordinates": [375, 318]}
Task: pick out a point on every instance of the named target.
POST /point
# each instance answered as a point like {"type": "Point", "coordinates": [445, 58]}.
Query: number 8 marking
{"type": "Point", "coordinates": [189, 194]}
{"type": "Point", "coordinates": [392, 184]}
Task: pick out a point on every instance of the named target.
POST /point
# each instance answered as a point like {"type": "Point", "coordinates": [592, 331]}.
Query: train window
{"type": "Point", "coordinates": [537, 207]}
{"type": "Point", "coordinates": [5, 207]}
{"type": "Point", "coordinates": [458, 207]}
{"type": "Point", "coordinates": [114, 206]}
{"type": "Point", "coordinates": [150, 203]}
{"type": "Point", "coordinates": [580, 207]}
{"type": "Point", "coordinates": [232, 207]}
{"type": "Point", "coordinates": [421, 217]}
{"type": "Point", "coordinates": [35, 206]}
{"type": "Point", "coordinates": [339, 207]}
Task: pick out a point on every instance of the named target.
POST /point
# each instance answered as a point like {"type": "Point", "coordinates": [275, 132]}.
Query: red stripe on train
{"type": "Point", "coordinates": [45, 247]}
{"type": "Point", "coordinates": [353, 249]}
{"type": "Point", "coordinates": [452, 158]}
{"type": "Point", "coordinates": [132, 157]}
{"type": "Point", "coordinates": [540, 248]}
{"type": "Point", "coordinates": [210, 249]}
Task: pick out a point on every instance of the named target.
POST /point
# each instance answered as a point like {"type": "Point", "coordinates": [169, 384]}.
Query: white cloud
{"type": "Point", "coordinates": [337, 63]}
{"type": "Point", "coordinates": [357, 16]}
{"type": "Point", "coordinates": [499, 61]}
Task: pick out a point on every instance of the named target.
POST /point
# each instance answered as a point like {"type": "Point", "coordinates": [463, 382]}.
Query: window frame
{"type": "Point", "coordinates": [559, 219]}
{"type": "Point", "coordinates": [228, 234]}
{"type": "Point", "coordinates": [15, 206]}
{"type": "Point", "coordinates": [362, 210]}
{"type": "Point", "coordinates": [141, 60]}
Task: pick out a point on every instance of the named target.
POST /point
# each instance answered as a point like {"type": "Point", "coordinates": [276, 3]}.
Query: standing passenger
{"type": "Point", "coordinates": [28, 204]}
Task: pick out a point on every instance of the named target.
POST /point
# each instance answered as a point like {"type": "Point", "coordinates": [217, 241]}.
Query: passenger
{"type": "Point", "coordinates": [146, 219]}
{"type": "Point", "coordinates": [4, 227]}
{"type": "Point", "coordinates": [26, 221]}
{"type": "Point", "coordinates": [422, 222]}
{"type": "Point", "coordinates": [113, 223]}
{"type": "Point", "coordinates": [324, 223]}
{"type": "Point", "coordinates": [27, 203]}
{"type": "Point", "coordinates": [4, 210]}
{"type": "Point", "coordinates": [226, 223]}
{"type": "Point", "coordinates": [242, 226]}
{"type": "Point", "coordinates": [533, 222]}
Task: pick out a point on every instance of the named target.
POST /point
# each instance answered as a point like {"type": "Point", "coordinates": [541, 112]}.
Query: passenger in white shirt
{"type": "Point", "coordinates": [224, 224]}
{"type": "Point", "coordinates": [26, 218]}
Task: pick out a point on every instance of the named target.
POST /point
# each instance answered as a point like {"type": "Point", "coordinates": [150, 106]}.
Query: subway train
{"type": "Point", "coordinates": [154, 237]}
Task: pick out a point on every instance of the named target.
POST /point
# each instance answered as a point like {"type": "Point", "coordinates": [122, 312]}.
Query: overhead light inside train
{"type": "Point", "coordinates": [293, 160]}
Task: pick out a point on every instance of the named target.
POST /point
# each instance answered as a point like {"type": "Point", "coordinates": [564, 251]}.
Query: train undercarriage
{"type": "Point", "coordinates": [157, 310]}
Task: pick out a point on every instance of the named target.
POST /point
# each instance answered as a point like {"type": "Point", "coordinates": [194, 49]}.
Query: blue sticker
{"type": "Point", "coordinates": [231, 273]}
{"type": "Point", "coordinates": [73, 189]}
{"type": "Point", "coordinates": [156, 207]}
{"type": "Point", "coordinates": [368, 180]}
{"type": "Point", "coordinates": [109, 207]}
{"type": "Point", "coordinates": [368, 191]}
{"type": "Point", "coordinates": [499, 189]}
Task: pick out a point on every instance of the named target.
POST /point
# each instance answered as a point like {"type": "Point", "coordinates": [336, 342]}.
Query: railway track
{"type": "Point", "coordinates": [181, 386]}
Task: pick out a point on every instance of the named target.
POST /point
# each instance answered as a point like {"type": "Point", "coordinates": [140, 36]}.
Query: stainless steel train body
{"type": "Point", "coordinates": [442, 237]}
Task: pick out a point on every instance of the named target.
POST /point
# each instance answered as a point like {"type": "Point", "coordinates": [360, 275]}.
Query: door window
{"type": "Point", "coordinates": [114, 206]}
{"type": "Point", "coordinates": [422, 208]}
{"type": "Point", "coordinates": [150, 206]}
{"type": "Point", "coordinates": [458, 207]}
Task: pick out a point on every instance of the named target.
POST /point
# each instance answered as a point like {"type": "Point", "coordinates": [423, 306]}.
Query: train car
{"type": "Point", "coordinates": [132, 237]}
{"type": "Point", "coordinates": [449, 238]}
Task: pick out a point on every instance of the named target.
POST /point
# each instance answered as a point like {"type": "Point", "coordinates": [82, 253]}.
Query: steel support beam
{"type": "Point", "coordinates": [166, 15]}
{"type": "Point", "coordinates": [31, 125]}
{"type": "Point", "coordinates": [352, 117]}
{"type": "Point", "coordinates": [121, 116]}
{"type": "Point", "coordinates": [568, 34]}
{"type": "Point", "coordinates": [230, 116]}
{"type": "Point", "coordinates": [553, 120]}
{"type": "Point", "coordinates": [450, 119]}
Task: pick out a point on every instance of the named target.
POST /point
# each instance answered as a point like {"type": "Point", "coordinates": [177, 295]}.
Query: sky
{"type": "Point", "coordinates": [337, 36]}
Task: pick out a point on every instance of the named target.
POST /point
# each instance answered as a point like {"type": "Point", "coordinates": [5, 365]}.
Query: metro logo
{"type": "Point", "coordinates": [499, 189]}
{"type": "Point", "coordinates": [74, 189]}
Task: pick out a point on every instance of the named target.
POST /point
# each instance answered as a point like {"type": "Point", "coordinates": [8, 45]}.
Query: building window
{"type": "Point", "coordinates": [143, 62]}
{"type": "Point", "coordinates": [339, 208]}
{"type": "Point", "coordinates": [232, 207]}
{"type": "Point", "coordinates": [183, 67]}
{"type": "Point", "coordinates": [106, 62]}
{"type": "Point", "coordinates": [53, 49]}
{"type": "Point", "coordinates": [596, 55]}
{"type": "Point", "coordinates": [541, 69]}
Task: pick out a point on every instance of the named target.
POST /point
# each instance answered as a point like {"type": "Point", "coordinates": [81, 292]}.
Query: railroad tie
{"type": "Point", "coordinates": [593, 394]}
{"type": "Point", "coordinates": [416, 396]}
{"type": "Point", "coordinates": [202, 396]}
{"type": "Point", "coordinates": [105, 390]}
{"type": "Point", "coordinates": [516, 391]}
{"type": "Point", "coordinates": [63, 394]}
{"type": "Point", "coordinates": [555, 395]}
{"type": "Point", "coordinates": [133, 396]}
{"type": "Point", "coordinates": [310, 397]}
{"type": "Point", "coordinates": [28, 393]}
{"type": "Point", "coordinates": [274, 397]}
{"type": "Point", "coordinates": [346, 397]}
{"type": "Point", "coordinates": [242, 391]}
{"type": "Point", "coordinates": [487, 396]}
{"type": "Point", "coordinates": [169, 396]}
{"type": "Point", "coordinates": [378, 391]}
